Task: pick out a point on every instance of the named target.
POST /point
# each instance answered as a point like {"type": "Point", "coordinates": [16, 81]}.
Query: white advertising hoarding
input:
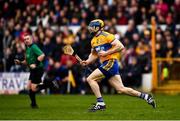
{"type": "Point", "coordinates": [12, 83]}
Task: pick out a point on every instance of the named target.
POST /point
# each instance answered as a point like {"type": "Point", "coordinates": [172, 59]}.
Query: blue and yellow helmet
{"type": "Point", "coordinates": [95, 25]}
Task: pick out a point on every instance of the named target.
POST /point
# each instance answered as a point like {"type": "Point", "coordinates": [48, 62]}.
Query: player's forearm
{"type": "Point", "coordinates": [91, 58]}
{"type": "Point", "coordinates": [117, 48]}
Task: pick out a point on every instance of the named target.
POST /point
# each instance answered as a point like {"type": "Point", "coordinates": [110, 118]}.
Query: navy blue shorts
{"type": "Point", "coordinates": [109, 68]}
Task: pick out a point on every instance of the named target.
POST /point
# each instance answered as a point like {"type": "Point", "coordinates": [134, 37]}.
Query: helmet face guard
{"type": "Point", "coordinates": [93, 29]}
{"type": "Point", "coordinates": [95, 26]}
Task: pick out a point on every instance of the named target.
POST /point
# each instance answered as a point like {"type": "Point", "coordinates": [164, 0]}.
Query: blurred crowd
{"type": "Point", "coordinates": [49, 16]}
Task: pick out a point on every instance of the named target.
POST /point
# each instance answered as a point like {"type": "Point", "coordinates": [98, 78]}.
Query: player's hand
{"type": "Point", "coordinates": [84, 63]}
{"type": "Point", "coordinates": [16, 61]}
{"type": "Point", "coordinates": [33, 66]}
{"type": "Point", "coordinates": [102, 53]}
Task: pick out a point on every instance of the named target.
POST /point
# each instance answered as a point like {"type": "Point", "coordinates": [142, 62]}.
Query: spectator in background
{"type": "Point", "coordinates": [170, 24]}
{"type": "Point", "coordinates": [147, 37]}
{"type": "Point", "coordinates": [144, 56]}
{"type": "Point", "coordinates": [133, 73]}
{"type": "Point", "coordinates": [121, 18]}
{"type": "Point", "coordinates": [57, 50]}
{"type": "Point", "coordinates": [131, 29]}
{"type": "Point", "coordinates": [68, 36]}
{"type": "Point", "coordinates": [20, 56]}
{"type": "Point", "coordinates": [160, 52]}
{"type": "Point", "coordinates": [169, 47]}
{"type": "Point", "coordinates": [59, 73]}
{"type": "Point", "coordinates": [162, 7]}
{"type": "Point", "coordinates": [161, 11]}
{"type": "Point", "coordinates": [176, 9]}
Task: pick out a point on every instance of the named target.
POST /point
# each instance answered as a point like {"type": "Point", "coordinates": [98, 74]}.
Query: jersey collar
{"type": "Point", "coordinates": [31, 45]}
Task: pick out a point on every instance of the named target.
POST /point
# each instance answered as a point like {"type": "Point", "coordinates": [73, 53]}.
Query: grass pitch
{"type": "Point", "coordinates": [69, 107]}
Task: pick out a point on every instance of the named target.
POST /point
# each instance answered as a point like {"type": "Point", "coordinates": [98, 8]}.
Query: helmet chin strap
{"type": "Point", "coordinates": [98, 33]}
{"type": "Point", "coordinates": [95, 33]}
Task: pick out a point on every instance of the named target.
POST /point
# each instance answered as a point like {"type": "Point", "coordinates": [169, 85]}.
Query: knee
{"type": "Point", "coordinates": [33, 88]}
{"type": "Point", "coordinates": [89, 79]}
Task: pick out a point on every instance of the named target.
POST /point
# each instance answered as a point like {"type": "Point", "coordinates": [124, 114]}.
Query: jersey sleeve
{"type": "Point", "coordinates": [110, 38]}
{"type": "Point", "coordinates": [37, 50]}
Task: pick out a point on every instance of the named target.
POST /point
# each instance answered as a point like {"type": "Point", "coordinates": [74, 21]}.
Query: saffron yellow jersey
{"type": "Point", "coordinates": [102, 42]}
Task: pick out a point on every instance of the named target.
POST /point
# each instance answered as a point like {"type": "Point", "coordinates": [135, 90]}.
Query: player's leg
{"type": "Point", "coordinates": [32, 94]}
{"type": "Point", "coordinates": [92, 80]}
{"type": "Point", "coordinates": [38, 73]}
{"type": "Point", "coordinates": [116, 82]}
{"type": "Point", "coordinates": [35, 79]}
{"type": "Point", "coordinates": [46, 84]}
{"type": "Point", "coordinates": [36, 85]}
